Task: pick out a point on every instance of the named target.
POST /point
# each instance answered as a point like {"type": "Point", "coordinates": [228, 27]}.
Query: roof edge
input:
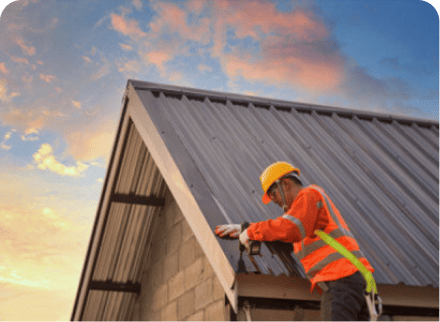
{"type": "Point", "coordinates": [282, 104]}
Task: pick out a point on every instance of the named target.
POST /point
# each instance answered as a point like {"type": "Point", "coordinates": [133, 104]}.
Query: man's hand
{"type": "Point", "coordinates": [231, 231]}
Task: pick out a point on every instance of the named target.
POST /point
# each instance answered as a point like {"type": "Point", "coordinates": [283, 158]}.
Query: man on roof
{"type": "Point", "coordinates": [307, 209]}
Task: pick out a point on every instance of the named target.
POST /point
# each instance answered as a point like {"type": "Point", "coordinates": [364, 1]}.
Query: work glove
{"type": "Point", "coordinates": [244, 239]}
{"type": "Point", "coordinates": [231, 231]}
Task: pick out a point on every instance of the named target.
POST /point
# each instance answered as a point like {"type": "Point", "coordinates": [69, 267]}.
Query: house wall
{"type": "Point", "coordinates": [178, 282]}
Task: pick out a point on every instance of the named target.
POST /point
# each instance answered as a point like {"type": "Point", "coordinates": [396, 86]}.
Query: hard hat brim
{"type": "Point", "coordinates": [266, 199]}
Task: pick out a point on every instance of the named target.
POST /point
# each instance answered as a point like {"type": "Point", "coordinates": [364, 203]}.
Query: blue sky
{"type": "Point", "coordinates": [63, 70]}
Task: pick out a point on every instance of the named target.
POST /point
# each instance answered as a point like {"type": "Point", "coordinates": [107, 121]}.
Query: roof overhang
{"type": "Point", "coordinates": [169, 165]}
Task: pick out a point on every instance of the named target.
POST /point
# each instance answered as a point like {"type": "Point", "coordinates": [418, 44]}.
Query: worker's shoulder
{"type": "Point", "coordinates": [312, 189]}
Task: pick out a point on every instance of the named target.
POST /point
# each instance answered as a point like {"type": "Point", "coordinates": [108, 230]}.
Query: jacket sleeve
{"type": "Point", "coordinates": [299, 221]}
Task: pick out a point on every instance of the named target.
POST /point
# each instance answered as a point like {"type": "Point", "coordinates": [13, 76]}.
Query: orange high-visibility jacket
{"type": "Point", "coordinates": [311, 210]}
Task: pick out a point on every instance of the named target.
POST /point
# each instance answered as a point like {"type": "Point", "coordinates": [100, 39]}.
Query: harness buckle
{"type": "Point", "coordinates": [374, 303]}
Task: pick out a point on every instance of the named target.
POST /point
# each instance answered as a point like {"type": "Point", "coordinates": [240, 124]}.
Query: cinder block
{"type": "Point", "coordinates": [170, 267]}
{"type": "Point", "coordinates": [194, 273]}
{"type": "Point", "coordinates": [185, 305]}
{"type": "Point", "coordinates": [187, 232]}
{"type": "Point", "coordinates": [169, 312]}
{"type": "Point", "coordinates": [203, 294]}
{"type": "Point", "coordinates": [186, 254]}
{"type": "Point", "coordinates": [159, 297]}
{"type": "Point", "coordinates": [215, 311]}
{"type": "Point", "coordinates": [176, 286]}
{"type": "Point", "coordinates": [208, 271]}
{"type": "Point", "coordinates": [174, 239]}
{"type": "Point", "coordinates": [218, 292]}
{"type": "Point", "coordinates": [198, 316]}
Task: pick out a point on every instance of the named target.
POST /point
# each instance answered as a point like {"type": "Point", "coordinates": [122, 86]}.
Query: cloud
{"type": "Point", "coordinates": [157, 58]}
{"type": "Point", "coordinates": [45, 160]}
{"type": "Point", "coordinates": [172, 20]}
{"type": "Point", "coordinates": [3, 69]}
{"type": "Point", "coordinates": [26, 48]}
{"type": "Point", "coordinates": [6, 137]}
{"type": "Point", "coordinates": [255, 42]}
{"type": "Point", "coordinates": [30, 134]}
{"type": "Point", "coordinates": [33, 117]}
{"type": "Point", "coordinates": [293, 48]}
{"type": "Point", "coordinates": [126, 47]}
{"type": "Point", "coordinates": [5, 95]}
{"type": "Point", "coordinates": [47, 78]}
{"type": "Point", "coordinates": [137, 4]}
{"type": "Point", "coordinates": [128, 27]}
{"type": "Point", "coordinates": [87, 59]}
{"type": "Point", "coordinates": [129, 68]}
{"type": "Point", "coordinates": [204, 68]}
{"type": "Point", "coordinates": [103, 70]}
{"type": "Point", "coordinates": [20, 60]}
{"type": "Point", "coordinates": [76, 104]}
{"type": "Point", "coordinates": [91, 144]}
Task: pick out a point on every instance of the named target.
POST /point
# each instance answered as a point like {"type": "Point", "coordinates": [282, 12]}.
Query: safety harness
{"type": "Point", "coordinates": [374, 302]}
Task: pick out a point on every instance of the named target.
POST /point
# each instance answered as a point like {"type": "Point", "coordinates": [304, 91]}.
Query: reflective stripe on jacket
{"type": "Point", "coordinates": [311, 210]}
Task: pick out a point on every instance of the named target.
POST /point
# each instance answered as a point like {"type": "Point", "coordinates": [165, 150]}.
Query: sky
{"type": "Point", "coordinates": [64, 66]}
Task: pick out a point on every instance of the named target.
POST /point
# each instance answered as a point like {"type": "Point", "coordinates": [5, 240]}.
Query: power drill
{"type": "Point", "coordinates": [254, 245]}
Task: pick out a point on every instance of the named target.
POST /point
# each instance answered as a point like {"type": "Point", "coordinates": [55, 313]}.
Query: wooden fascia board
{"type": "Point", "coordinates": [297, 288]}
{"type": "Point", "coordinates": [150, 131]}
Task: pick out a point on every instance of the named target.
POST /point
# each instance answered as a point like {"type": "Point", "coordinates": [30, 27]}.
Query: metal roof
{"type": "Point", "coordinates": [380, 170]}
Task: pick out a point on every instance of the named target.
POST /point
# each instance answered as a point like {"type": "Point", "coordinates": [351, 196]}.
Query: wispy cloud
{"type": "Point", "coordinates": [126, 47]}
{"type": "Point", "coordinates": [129, 68]}
{"type": "Point", "coordinates": [5, 94]}
{"type": "Point", "coordinates": [20, 60]}
{"type": "Point", "coordinates": [6, 137]}
{"type": "Point", "coordinates": [87, 59]}
{"type": "Point", "coordinates": [128, 27]}
{"type": "Point", "coordinates": [3, 69]}
{"type": "Point", "coordinates": [204, 68]}
{"type": "Point", "coordinates": [30, 134]}
{"type": "Point", "coordinates": [47, 78]}
{"type": "Point", "coordinates": [76, 104]}
{"type": "Point", "coordinates": [45, 160]}
{"type": "Point", "coordinates": [25, 46]}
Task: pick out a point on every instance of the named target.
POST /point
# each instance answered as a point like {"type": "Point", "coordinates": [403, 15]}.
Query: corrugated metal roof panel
{"type": "Point", "coordinates": [381, 171]}
{"type": "Point", "coordinates": [126, 231]}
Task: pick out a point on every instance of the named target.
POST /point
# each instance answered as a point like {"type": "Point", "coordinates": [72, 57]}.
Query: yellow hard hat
{"type": "Point", "coordinates": [272, 173]}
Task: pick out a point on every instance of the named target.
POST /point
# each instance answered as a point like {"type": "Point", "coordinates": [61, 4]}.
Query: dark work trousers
{"type": "Point", "coordinates": [344, 300]}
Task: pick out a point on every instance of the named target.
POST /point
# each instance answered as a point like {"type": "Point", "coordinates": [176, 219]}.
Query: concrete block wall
{"type": "Point", "coordinates": [178, 282]}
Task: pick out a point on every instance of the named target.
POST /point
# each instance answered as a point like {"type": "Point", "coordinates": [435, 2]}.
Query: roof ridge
{"type": "Point", "coordinates": [283, 104]}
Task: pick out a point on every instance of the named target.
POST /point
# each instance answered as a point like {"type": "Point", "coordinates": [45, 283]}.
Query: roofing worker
{"type": "Point", "coordinates": [306, 210]}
